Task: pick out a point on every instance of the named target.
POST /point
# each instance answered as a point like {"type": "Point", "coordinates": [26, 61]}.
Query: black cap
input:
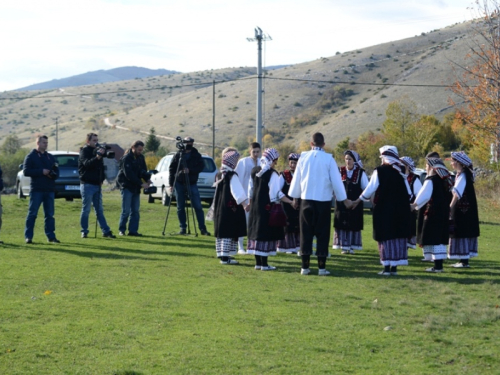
{"type": "Point", "coordinates": [188, 140]}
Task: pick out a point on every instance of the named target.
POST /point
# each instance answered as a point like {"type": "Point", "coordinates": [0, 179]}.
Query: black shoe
{"type": "Point", "coordinates": [54, 240]}
{"type": "Point", "coordinates": [28, 240]}
{"type": "Point", "coordinates": [84, 235]}
{"type": "Point", "coordinates": [134, 234]}
{"type": "Point", "coordinates": [182, 231]}
{"type": "Point", "coordinates": [205, 233]}
{"type": "Point", "coordinates": [109, 235]}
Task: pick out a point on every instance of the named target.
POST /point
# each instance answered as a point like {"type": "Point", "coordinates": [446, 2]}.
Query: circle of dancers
{"type": "Point", "coordinates": [287, 212]}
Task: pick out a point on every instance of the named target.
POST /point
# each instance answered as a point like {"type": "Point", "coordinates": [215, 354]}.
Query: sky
{"type": "Point", "coordinates": [52, 39]}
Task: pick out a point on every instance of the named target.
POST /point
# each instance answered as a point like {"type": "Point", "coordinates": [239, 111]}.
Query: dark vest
{"type": "Point", "coordinates": [433, 218]}
{"type": "Point", "coordinates": [391, 210]}
{"type": "Point", "coordinates": [291, 213]}
{"type": "Point", "coordinates": [345, 219]}
{"type": "Point", "coordinates": [413, 224]}
{"type": "Point", "coordinates": [258, 222]}
{"type": "Point", "coordinates": [466, 217]}
{"type": "Point", "coordinates": [229, 217]}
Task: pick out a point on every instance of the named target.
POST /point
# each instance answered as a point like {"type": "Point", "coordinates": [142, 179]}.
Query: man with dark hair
{"type": "Point", "coordinates": [132, 172]}
{"type": "Point", "coordinates": [244, 170]}
{"type": "Point", "coordinates": [190, 167]}
{"type": "Point", "coordinates": [91, 170]}
{"type": "Point", "coordinates": [315, 180]}
{"type": "Point", "coordinates": [43, 170]}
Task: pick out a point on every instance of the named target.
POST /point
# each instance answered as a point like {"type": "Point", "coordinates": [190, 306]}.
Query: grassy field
{"type": "Point", "coordinates": [164, 305]}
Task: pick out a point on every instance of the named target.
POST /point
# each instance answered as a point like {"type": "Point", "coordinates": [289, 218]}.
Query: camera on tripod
{"type": "Point", "coordinates": [107, 154]}
{"type": "Point", "coordinates": [53, 172]}
{"type": "Point", "coordinates": [180, 144]}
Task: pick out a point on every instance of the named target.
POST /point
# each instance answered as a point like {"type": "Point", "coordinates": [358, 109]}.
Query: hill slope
{"type": "Point", "coordinates": [342, 96]}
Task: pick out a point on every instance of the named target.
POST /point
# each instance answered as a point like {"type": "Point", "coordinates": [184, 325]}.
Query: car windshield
{"type": "Point", "coordinates": [209, 165]}
{"type": "Point", "coordinates": [68, 161]}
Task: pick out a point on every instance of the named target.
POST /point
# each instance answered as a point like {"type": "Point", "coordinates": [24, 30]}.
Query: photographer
{"type": "Point", "coordinates": [132, 172]}
{"type": "Point", "coordinates": [190, 167]}
{"type": "Point", "coordinates": [43, 170]}
{"type": "Point", "coordinates": [91, 170]}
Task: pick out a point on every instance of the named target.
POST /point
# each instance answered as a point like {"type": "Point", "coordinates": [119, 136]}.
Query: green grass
{"type": "Point", "coordinates": [164, 304]}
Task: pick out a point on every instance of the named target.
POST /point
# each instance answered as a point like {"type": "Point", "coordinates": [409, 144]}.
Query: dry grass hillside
{"type": "Point", "coordinates": [299, 99]}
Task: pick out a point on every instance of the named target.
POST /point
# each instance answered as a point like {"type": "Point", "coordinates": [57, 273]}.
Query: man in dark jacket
{"type": "Point", "coordinates": [187, 177]}
{"type": "Point", "coordinates": [91, 170]}
{"type": "Point", "coordinates": [130, 178]}
{"type": "Point", "coordinates": [43, 170]}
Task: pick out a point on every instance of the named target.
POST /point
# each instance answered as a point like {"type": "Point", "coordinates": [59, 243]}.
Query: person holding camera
{"type": "Point", "coordinates": [191, 165]}
{"type": "Point", "coordinates": [91, 170]}
{"type": "Point", "coordinates": [130, 178]}
{"type": "Point", "coordinates": [43, 170]}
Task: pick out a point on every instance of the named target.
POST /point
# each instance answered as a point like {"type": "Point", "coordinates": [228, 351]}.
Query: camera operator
{"type": "Point", "coordinates": [91, 170]}
{"type": "Point", "coordinates": [190, 167]}
{"type": "Point", "coordinates": [132, 172]}
{"type": "Point", "coordinates": [43, 170]}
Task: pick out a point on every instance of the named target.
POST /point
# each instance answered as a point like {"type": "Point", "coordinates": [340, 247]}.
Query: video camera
{"type": "Point", "coordinates": [53, 173]}
{"type": "Point", "coordinates": [180, 144]}
{"type": "Point", "coordinates": [151, 189]}
{"type": "Point", "coordinates": [107, 154]}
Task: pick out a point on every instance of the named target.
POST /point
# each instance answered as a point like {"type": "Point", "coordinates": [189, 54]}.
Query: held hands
{"type": "Point", "coordinates": [295, 203]}
{"type": "Point", "coordinates": [46, 172]}
{"type": "Point", "coordinates": [348, 204]}
{"type": "Point", "coordinates": [413, 206]}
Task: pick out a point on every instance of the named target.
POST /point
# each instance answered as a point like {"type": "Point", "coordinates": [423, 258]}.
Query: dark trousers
{"type": "Point", "coordinates": [315, 220]}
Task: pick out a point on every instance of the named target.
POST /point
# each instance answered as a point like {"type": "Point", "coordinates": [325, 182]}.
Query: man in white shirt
{"type": "Point", "coordinates": [316, 178]}
{"type": "Point", "coordinates": [244, 169]}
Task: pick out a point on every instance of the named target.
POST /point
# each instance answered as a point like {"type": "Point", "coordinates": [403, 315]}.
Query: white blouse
{"type": "Point", "coordinates": [374, 184]}
{"type": "Point", "coordinates": [275, 193]}
{"type": "Point", "coordinates": [459, 187]}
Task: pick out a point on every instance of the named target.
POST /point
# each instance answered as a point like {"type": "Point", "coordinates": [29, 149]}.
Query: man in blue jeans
{"type": "Point", "coordinates": [43, 170]}
{"type": "Point", "coordinates": [191, 165]}
{"type": "Point", "coordinates": [91, 170]}
{"type": "Point", "coordinates": [130, 180]}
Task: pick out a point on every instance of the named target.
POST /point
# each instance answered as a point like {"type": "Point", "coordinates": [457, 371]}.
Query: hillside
{"type": "Point", "coordinates": [299, 99]}
{"type": "Point", "coordinates": [100, 76]}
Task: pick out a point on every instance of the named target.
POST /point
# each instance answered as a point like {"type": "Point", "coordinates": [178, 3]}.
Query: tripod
{"type": "Point", "coordinates": [186, 186]}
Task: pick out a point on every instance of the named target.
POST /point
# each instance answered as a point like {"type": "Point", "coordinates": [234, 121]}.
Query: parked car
{"type": "Point", "coordinates": [205, 181]}
{"type": "Point", "coordinates": [68, 183]}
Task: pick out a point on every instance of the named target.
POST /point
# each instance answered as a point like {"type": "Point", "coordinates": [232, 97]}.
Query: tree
{"type": "Point", "coordinates": [401, 116]}
{"type": "Point", "coordinates": [11, 145]}
{"type": "Point", "coordinates": [152, 142]}
{"type": "Point", "coordinates": [478, 85]}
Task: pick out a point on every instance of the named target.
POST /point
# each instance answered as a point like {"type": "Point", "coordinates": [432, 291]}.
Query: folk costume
{"type": "Point", "coordinates": [244, 170]}
{"type": "Point", "coordinates": [229, 215]}
{"type": "Point", "coordinates": [415, 186]}
{"type": "Point", "coordinates": [433, 204]}
{"type": "Point", "coordinates": [391, 211]}
{"type": "Point", "coordinates": [291, 243]}
{"type": "Point", "coordinates": [465, 218]}
{"type": "Point", "coordinates": [316, 179]}
{"type": "Point", "coordinates": [348, 224]}
{"type": "Point", "coordinates": [263, 190]}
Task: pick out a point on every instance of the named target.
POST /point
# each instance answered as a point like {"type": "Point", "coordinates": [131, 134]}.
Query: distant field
{"type": "Point", "coordinates": [164, 305]}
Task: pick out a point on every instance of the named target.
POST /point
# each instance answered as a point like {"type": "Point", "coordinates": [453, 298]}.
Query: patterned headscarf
{"type": "Point", "coordinates": [389, 155]}
{"type": "Point", "coordinates": [463, 159]}
{"type": "Point", "coordinates": [443, 172]}
{"type": "Point", "coordinates": [229, 162]}
{"type": "Point", "coordinates": [408, 162]}
{"type": "Point", "coordinates": [293, 156]}
{"type": "Point", "coordinates": [357, 159]}
{"type": "Point", "coordinates": [268, 156]}
{"type": "Point", "coordinates": [230, 159]}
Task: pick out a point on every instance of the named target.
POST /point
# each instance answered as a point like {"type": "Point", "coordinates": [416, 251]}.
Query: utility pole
{"type": "Point", "coordinates": [259, 37]}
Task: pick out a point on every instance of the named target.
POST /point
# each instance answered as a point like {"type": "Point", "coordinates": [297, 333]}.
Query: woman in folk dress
{"type": "Point", "coordinates": [433, 205]}
{"type": "Point", "coordinates": [464, 213]}
{"type": "Point", "coordinates": [229, 214]}
{"type": "Point", "coordinates": [264, 190]}
{"type": "Point", "coordinates": [348, 224]}
{"type": "Point", "coordinates": [415, 186]}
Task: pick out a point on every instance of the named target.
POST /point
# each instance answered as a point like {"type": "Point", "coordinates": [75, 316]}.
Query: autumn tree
{"type": "Point", "coordinates": [478, 83]}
